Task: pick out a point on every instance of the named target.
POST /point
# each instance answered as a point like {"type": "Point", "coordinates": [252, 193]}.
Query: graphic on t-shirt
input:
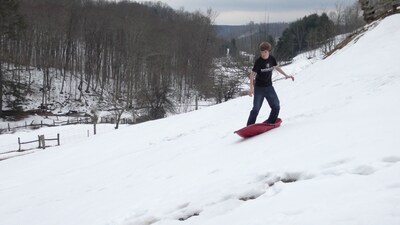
{"type": "Point", "coordinates": [268, 68]}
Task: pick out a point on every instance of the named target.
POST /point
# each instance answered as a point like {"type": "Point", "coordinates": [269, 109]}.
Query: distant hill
{"type": "Point", "coordinates": [228, 32]}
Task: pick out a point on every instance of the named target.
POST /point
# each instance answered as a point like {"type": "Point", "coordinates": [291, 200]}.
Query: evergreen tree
{"type": "Point", "coordinates": [307, 33]}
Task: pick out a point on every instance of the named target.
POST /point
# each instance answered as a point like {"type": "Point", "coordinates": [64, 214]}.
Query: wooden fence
{"type": "Point", "coordinates": [375, 9]}
{"type": "Point", "coordinates": [41, 141]}
{"type": "Point", "coordinates": [69, 121]}
{"type": "Point", "coordinates": [33, 125]}
{"type": "Point", "coordinates": [113, 120]}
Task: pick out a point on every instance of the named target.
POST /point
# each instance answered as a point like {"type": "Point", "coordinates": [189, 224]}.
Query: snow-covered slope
{"type": "Point", "coordinates": [335, 160]}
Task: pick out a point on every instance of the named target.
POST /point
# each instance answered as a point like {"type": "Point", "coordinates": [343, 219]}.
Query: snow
{"type": "Point", "coordinates": [335, 159]}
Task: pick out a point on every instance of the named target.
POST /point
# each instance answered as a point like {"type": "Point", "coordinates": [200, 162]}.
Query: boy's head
{"type": "Point", "coordinates": [265, 46]}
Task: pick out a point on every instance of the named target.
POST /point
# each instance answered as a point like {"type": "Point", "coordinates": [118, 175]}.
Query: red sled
{"type": "Point", "coordinates": [258, 128]}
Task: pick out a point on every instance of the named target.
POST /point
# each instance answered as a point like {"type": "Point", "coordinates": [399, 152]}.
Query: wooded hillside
{"type": "Point", "coordinates": [130, 54]}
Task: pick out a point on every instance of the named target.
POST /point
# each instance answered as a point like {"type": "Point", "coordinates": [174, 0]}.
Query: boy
{"type": "Point", "coordinates": [262, 88]}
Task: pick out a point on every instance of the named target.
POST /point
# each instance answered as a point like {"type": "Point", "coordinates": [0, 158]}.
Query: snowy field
{"type": "Point", "coordinates": [334, 161]}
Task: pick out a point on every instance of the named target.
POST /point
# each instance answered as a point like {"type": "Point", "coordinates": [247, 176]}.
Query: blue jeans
{"type": "Point", "coordinates": [259, 94]}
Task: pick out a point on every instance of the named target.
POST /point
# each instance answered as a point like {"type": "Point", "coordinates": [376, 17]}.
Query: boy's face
{"type": "Point", "coordinates": [265, 54]}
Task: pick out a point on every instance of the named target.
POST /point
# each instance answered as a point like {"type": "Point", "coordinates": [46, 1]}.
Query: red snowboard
{"type": "Point", "coordinates": [258, 128]}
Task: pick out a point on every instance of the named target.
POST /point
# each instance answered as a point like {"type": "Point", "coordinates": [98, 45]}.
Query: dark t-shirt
{"type": "Point", "coordinates": [264, 68]}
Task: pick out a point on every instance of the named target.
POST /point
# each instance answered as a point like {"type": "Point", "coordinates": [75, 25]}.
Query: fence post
{"type": "Point", "coordinates": [40, 143]}
{"type": "Point", "coordinates": [42, 139]}
{"type": "Point", "coordinates": [9, 129]}
{"type": "Point", "coordinates": [58, 139]}
{"type": "Point", "coordinates": [19, 144]}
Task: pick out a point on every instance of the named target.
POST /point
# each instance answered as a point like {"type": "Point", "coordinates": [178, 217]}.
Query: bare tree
{"type": "Point", "coordinates": [230, 76]}
{"type": "Point", "coordinates": [10, 24]}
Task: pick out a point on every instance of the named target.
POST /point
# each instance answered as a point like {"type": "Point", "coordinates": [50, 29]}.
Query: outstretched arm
{"type": "Point", "coordinates": [279, 69]}
{"type": "Point", "coordinates": [251, 88]}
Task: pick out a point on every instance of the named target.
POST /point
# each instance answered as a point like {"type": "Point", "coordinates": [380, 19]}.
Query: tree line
{"type": "Point", "coordinates": [133, 55]}
{"type": "Point", "coordinates": [304, 34]}
{"type": "Point", "coordinates": [307, 33]}
{"type": "Point", "coordinates": [318, 31]}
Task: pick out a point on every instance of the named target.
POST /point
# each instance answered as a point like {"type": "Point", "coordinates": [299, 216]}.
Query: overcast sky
{"type": "Point", "coordinates": [239, 12]}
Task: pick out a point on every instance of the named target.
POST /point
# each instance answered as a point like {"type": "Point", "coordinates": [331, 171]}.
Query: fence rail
{"type": "Point", "coordinates": [374, 9]}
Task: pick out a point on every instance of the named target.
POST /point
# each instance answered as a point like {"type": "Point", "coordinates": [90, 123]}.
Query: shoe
{"type": "Point", "coordinates": [268, 122]}
{"type": "Point", "coordinates": [273, 124]}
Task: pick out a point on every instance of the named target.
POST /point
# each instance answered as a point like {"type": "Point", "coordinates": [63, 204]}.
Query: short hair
{"type": "Point", "coordinates": [265, 46]}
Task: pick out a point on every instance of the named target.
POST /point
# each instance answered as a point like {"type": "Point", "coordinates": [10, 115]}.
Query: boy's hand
{"type": "Point", "coordinates": [251, 91]}
{"type": "Point", "coordinates": [291, 77]}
